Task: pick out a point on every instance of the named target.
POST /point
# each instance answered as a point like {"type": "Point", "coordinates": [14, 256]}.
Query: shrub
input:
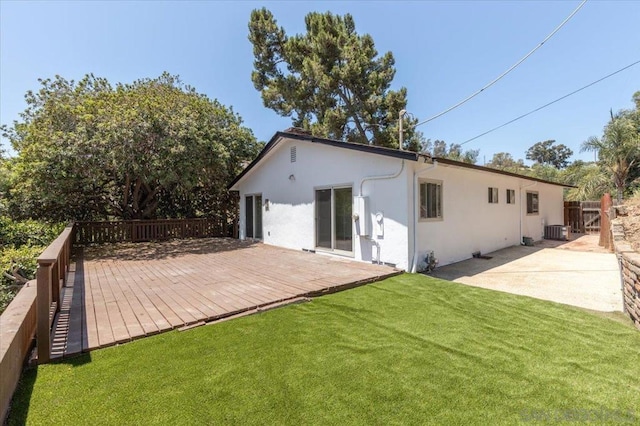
{"type": "Point", "coordinates": [21, 243]}
{"type": "Point", "coordinates": [25, 257]}
{"type": "Point", "coordinates": [27, 232]}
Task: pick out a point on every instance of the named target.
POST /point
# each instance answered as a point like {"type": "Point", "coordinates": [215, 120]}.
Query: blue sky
{"type": "Point", "coordinates": [444, 51]}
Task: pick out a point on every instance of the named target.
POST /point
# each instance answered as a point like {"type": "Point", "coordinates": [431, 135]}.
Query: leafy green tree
{"type": "Point", "coordinates": [548, 152]}
{"type": "Point", "coordinates": [453, 151]}
{"type": "Point", "coordinates": [89, 150]}
{"type": "Point", "coordinates": [4, 184]}
{"type": "Point", "coordinates": [590, 181]}
{"type": "Point", "coordinates": [545, 172]}
{"type": "Point", "coordinates": [505, 161]}
{"type": "Point", "coordinates": [619, 148]}
{"type": "Point", "coordinates": [330, 80]}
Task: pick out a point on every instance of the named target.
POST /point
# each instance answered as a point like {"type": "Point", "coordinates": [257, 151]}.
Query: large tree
{"type": "Point", "coordinates": [589, 179]}
{"type": "Point", "coordinates": [330, 80]}
{"type": "Point", "coordinates": [453, 151]}
{"type": "Point", "coordinates": [619, 148]}
{"type": "Point", "coordinates": [505, 161]}
{"type": "Point", "coordinates": [550, 153]}
{"type": "Point", "coordinates": [148, 149]}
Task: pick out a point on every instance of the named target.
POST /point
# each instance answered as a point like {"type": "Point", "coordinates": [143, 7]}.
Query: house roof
{"type": "Point", "coordinates": [378, 150]}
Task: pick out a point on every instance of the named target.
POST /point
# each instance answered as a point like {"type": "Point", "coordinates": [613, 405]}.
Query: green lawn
{"type": "Point", "coordinates": [407, 350]}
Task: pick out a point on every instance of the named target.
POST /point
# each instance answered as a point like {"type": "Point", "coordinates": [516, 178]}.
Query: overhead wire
{"type": "Point", "coordinates": [552, 102]}
{"type": "Point", "coordinates": [514, 66]}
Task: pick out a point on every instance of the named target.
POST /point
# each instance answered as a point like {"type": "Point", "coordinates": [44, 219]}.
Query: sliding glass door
{"type": "Point", "coordinates": [334, 226]}
{"type": "Point", "coordinates": [253, 215]}
{"type": "Point", "coordinates": [323, 219]}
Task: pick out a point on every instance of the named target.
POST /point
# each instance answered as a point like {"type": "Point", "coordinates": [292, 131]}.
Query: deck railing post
{"type": "Point", "coordinates": [43, 306]}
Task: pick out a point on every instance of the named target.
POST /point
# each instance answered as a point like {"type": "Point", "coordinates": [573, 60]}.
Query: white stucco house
{"type": "Point", "coordinates": [377, 204]}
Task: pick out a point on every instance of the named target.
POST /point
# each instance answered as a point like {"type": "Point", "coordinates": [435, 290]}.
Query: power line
{"type": "Point", "coordinates": [552, 102]}
{"type": "Point", "coordinates": [507, 71]}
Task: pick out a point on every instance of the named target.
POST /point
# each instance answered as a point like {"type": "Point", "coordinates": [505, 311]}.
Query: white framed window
{"type": "Point", "coordinates": [532, 202]}
{"type": "Point", "coordinates": [511, 196]}
{"type": "Point", "coordinates": [493, 195]}
{"type": "Point", "coordinates": [431, 200]}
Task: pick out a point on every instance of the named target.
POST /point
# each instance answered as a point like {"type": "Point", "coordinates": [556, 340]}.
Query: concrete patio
{"type": "Point", "coordinates": [120, 292]}
{"type": "Point", "coordinates": [578, 273]}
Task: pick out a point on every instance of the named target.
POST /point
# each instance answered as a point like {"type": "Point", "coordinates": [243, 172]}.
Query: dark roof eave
{"type": "Point", "coordinates": [497, 171]}
{"type": "Point", "coordinates": [396, 153]}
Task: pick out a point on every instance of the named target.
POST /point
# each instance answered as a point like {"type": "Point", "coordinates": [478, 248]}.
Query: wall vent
{"type": "Point", "coordinates": [293, 154]}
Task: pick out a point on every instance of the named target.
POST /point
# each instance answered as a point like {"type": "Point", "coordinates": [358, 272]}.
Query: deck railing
{"type": "Point", "coordinates": [53, 265]}
{"type": "Point", "coordinates": [17, 329]}
{"type": "Point", "coordinates": [148, 230]}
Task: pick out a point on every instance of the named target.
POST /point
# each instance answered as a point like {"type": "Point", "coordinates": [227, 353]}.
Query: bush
{"type": "Point", "coordinates": [26, 259]}
{"type": "Point", "coordinates": [6, 296]}
{"type": "Point", "coordinates": [21, 243]}
{"type": "Point", "coordinates": [27, 232]}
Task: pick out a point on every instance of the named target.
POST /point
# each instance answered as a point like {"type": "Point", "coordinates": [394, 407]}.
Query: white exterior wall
{"type": "Point", "coordinates": [289, 217]}
{"type": "Point", "coordinates": [470, 223]}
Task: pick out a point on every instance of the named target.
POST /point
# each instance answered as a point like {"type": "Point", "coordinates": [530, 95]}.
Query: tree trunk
{"type": "Point", "coordinates": [619, 195]}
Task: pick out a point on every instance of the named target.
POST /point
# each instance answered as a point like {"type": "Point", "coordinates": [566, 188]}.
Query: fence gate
{"type": "Point", "coordinates": [573, 216]}
{"type": "Point", "coordinates": [591, 216]}
{"type": "Point", "coordinates": [582, 216]}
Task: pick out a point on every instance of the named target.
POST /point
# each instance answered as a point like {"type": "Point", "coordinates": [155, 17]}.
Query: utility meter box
{"type": "Point", "coordinates": [362, 216]}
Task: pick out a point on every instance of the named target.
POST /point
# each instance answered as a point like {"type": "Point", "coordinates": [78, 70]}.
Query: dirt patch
{"type": "Point", "coordinates": [579, 242]}
{"type": "Point", "coordinates": [630, 217]}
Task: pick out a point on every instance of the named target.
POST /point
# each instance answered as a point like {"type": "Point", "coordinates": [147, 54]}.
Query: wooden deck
{"type": "Point", "coordinates": [120, 292]}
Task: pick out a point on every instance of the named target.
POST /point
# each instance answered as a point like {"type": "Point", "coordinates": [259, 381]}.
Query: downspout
{"type": "Point", "coordinates": [392, 176]}
{"type": "Point", "coordinates": [416, 174]}
{"type": "Point", "coordinates": [521, 188]}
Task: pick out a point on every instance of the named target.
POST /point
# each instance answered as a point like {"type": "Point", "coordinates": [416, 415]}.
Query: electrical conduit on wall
{"type": "Point", "coordinates": [392, 176]}
{"type": "Point", "coordinates": [381, 177]}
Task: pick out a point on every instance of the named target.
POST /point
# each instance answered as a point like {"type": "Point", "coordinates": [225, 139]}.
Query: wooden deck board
{"type": "Point", "coordinates": [126, 302]}
{"type": "Point", "coordinates": [114, 308]}
{"type": "Point", "coordinates": [90, 328]}
{"type": "Point", "coordinates": [127, 292]}
{"type": "Point", "coordinates": [74, 337]}
{"type": "Point", "coordinates": [142, 314]}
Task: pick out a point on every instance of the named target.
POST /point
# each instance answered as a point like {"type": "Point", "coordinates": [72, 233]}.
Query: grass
{"type": "Point", "coordinates": [407, 350]}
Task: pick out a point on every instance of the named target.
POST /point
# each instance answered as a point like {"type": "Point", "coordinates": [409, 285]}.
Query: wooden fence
{"type": "Point", "coordinates": [573, 216]}
{"type": "Point", "coordinates": [583, 216]}
{"type": "Point", "coordinates": [148, 230]}
{"type": "Point", "coordinates": [53, 265]}
{"type": "Point", "coordinates": [591, 216]}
